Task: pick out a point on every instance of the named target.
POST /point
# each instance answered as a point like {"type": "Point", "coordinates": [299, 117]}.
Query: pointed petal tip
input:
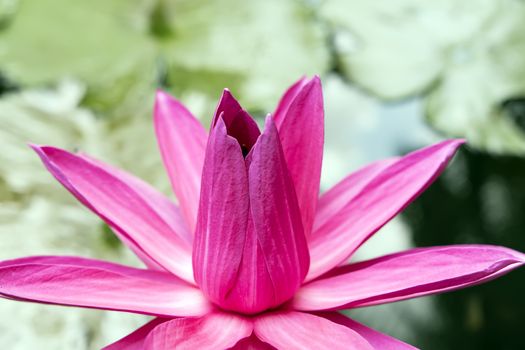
{"type": "Point", "coordinates": [227, 94]}
{"type": "Point", "coordinates": [162, 96]}
{"type": "Point", "coordinates": [457, 142]}
{"type": "Point", "coordinates": [37, 148]}
{"type": "Point", "coordinates": [44, 151]}
{"type": "Point", "coordinates": [219, 125]}
{"type": "Point", "coordinates": [164, 100]}
{"type": "Point", "coordinates": [308, 84]}
{"type": "Point", "coordinates": [270, 128]}
{"type": "Point", "coordinates": [159, 92]}
{"type": "Point", "coordinates": [227, 104]}
{"type": "Point", "coordinates": [448, 147]}
{"type": "Point", "coordinates": [520, 257]}
{"type": "Point", "coordinates": [305, 80]}
{"type": "Point", "coordinates": [444, 149]}
{"type": "Point", "coordinates": [316, 79]}
{"type": "Point", "coordinates": [451, 143]}
{"type": "Point", "coordinates": [219, 129]}
{"type": "Point", "coordinates": [268, 123]}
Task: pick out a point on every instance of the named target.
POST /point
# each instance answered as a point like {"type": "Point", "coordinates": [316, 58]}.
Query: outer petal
{"type": "Point", "coordinates": [163, 206]}
{"type": "Point", "coordinates": [378, 340]}
{"type": "Point", "coordinates": [217, 330]}
{"type": "Point", "coordinates": [275, 258]}
{"type": "Point", "coordinates": [122, 207]}
{"type": "Point", "coordinates": [407, 275]}
{"type": "Point", "coordinates": [335, 199]}
{"type": "Point", "coordinates": [135, 340]}
{"type": "Point", "coordinates": [252, 343]}
{"type": "Point", "coordinates": [288, 97]}
{"type": "Point", "coordinates": [96, 284]}
{"type": "Point", "coordinates": [182, 142]}
{"type": "Point", "coordinates": [223, 215]}
{"type": "Point", "coordinates": [300, 121]}
{"type": "Point", "coordinates": [380, 200]}
{"type": "Point", "coordinates": [297, 330]}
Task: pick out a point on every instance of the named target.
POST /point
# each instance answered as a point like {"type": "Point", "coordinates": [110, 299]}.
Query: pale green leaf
{"type": "Point", "coordinates": [259, 46]}
{"type": "Point", "coordinates": [398, 48]}
{"type": "Point", "coordinates": [92, 40]}
{"type": "Point", "coordinates": [480, 76]}
{"type": "Point", "coordinates": [122, 48]}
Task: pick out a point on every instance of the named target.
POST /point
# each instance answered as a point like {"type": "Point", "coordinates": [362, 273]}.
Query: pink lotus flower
{"type": "Point", "coordinates": [250, 258]}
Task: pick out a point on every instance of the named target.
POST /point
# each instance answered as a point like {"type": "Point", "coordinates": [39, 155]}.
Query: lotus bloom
{"type": "Point", "coordinates": [251, 257]}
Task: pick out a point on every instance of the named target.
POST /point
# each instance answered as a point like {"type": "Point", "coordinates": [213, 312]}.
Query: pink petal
{"type": "Point", "coordinates": [275, 258]}
{"type": "Point", "coordinates": [335, 199]}
{"type": "Point", "coordinates": [379, 201]}
{"type": "Point", "coordinates": [275, 212]}
{"type": "Point", "coordinates": [182, 142]}
{"type": "Point", "coordinates": [97, 284]}
{"type": "Point", "coordinates": [252, 343]}
{"type": "Point", "coordinates": [217, 330]}
{"type": "Point", "coordinates": [407, 275]}
{"type": "Point", "coordinates": [163, 206]}
{"type": "Point", "coordinates": [300, 121]}
{"type": "Point", "coordinates": [123, 207]}
{"type": "Point", "coordinates": [288, 97]}
{"type": "Point", "coordinates": [378, 340]}
{"type": "Point", "coordinates": [239, 123]}
{"type": "Point", "coordinates": [222, 217]}
{"type": "Point", "coordinates": [135, 340]}
{"type": "Point", "coordinates": [297, 330]}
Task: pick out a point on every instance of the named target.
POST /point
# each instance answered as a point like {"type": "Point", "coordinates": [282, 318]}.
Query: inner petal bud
{"type": "Point", "coordinates": [239, 124]}
{"type": "Point", "coordinates": [249, 253]}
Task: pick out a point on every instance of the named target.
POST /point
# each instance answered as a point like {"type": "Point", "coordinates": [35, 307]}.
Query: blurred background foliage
{"type": "Point", "coordinates": [397, 75]}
